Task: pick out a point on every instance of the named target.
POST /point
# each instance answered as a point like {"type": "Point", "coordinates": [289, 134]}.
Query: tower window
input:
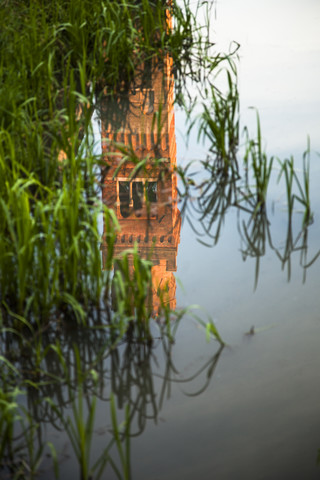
{"type": "Point", "coordinates": [134, 195]}
{"type": "Point", "coordinates": [124, 197]}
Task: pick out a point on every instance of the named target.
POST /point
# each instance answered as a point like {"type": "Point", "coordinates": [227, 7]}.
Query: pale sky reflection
{"type": "Point", "coordinates": [279, 71]}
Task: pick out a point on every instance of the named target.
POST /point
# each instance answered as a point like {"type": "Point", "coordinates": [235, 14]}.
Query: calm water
{"type": "Point", "coordinates": [259, 417]}
{"type": "Point", "coordinates": [250, 411]}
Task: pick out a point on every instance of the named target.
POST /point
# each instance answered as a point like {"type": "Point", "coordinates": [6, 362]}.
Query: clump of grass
{"type": "Point", "coordinates": [255, 238]}
{"type": "Point", "coordinates": [9, 414]}
{"type": "Point", "coordinates": [218, 124]}
{"type": "Point", "coordinates": [50, 252]}
{"type": "Point", "coordinates": [121, 435]}
{"type": "Point", "coordinates": [259, 165]}
{"type": "Point", "coordinates": [56, 62]}
{"type": "Point", "coordinates": [79, 429]}
{"type": "Point", "coordinates": [131, 294]}
{"type": "Point", "coordinates": [288, 170]}
{"type": "Point", "coordinates": [21, 447]}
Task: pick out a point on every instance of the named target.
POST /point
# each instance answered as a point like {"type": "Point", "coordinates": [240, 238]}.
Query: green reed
{"type": "Point", "coordinates": [259, 165]}
{"type": "Point", "coordinates": [288, 170]}
{"type": "Point", "coordinates": [56, 62]}
{"type": "Point", "coordinates": [219, 122]}
{"type": "Point", "coordinates": [21, 447]}
{"type": "Point", "coordinates": [80, 423]}
{"type": "Point", "coordinates": [9, 414]}
{"type": "Point", "coordinates": [121, 433]}
{"type": "Point", "coordinates": [79, 430]}
{"type": "Point", "coordinates": [131, 290]}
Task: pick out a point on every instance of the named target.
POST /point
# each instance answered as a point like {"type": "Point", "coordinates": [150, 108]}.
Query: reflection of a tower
{"type": "Point", "coordinates": [145, 201]}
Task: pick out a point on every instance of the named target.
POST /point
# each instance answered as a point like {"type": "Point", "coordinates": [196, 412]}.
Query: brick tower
{"type": "Point", "coordinates": [139, 124]}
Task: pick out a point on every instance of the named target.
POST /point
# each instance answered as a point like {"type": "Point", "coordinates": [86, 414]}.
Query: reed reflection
{"type": "Point", "coordinates": [82, 383]}
{"type": "Point", "coordinates": [218, 194]}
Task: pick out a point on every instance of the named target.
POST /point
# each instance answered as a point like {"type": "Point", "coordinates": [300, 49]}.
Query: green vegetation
{"type": "Point", "coordinates": [58, 59]}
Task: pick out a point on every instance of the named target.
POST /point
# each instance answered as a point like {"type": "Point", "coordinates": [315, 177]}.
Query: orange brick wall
{"type": "Point", "coordinates": [135, 130]}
